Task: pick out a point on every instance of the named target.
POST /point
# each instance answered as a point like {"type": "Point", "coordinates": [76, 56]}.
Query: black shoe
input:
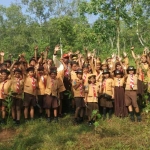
{"type": "Point", "coordinates": [14, 121]}
{"type": "Point", "coordinates": [56, 119]}
{"type": "Point", "coordinates": [2, 121]}
{"type": "Point", "coordinates": [17, 122]}
{"type": "Point", "coordinates": [81, 120]}
{"type": "Point", "coordinates": [92, 121]}
{"type": "Point", "coordinates": [49, 120]}
{"type": "Point", "coordinates": [132, 118]}
{"type": "Point", "coordinates": [89, 123]}
{"type": "Point", "coordinates": [139, 119]}
{"type": "Point", "coordinates": [26, 120]}
{"type": "Point", "coordinates": [104, 118]}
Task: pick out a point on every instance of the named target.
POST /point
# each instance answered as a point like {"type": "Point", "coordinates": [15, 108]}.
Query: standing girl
{"type": "Point", "coordinates": [120, 108]}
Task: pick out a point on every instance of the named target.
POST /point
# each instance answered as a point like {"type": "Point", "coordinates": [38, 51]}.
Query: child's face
{"type": "Point", "coordinates": [98, 66]}
{"type": "Point", "coordinates": [74, 67]}
{"type": "Point", "coordinates": [143, 59]}
{"type": "Point", "coordinates": [118, 76]}
{"type": "Point", "coordinates": [104, 67]}
{"type": "Point", "coordinates": [4, 76]}
{"type": "Point", "coordinates": [53, 75]}
{"type": "Point", "coordinates": [79, 75]}
{"type": "Point", "coordinates": [131, 72]}
{"type": "Point", "coordinates": [93, 80]}
{"type": "Point", "coordinates": [40, 72]}
{"type": "Point", "coordinates": [106, 75]}
{"type": "Point", "coordinates": [118, 67]}
{"type": "Point", "coordinates": [31, 73]}
{"type": "Point", "coordinates": [86, 70]}
{"type": "Point", "coordinates": [17, 74]}
{"type": "Point", "coordinates": [32, 63]}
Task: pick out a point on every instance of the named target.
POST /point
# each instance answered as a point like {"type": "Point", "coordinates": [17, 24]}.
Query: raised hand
{"type": "Point", "coordinates": [57, 48]}
{"type": "Point", "coordinates": [2, 53]}
{"type": "Point", "coordinates": [36, 47]}
{"type": "Point", "coordinates": [132, 48]}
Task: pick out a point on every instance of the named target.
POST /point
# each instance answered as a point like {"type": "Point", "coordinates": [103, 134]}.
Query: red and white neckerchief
{"type": "Point", "coordinates": [67, 71]}
{"type": "Point", "coordinates": [18, 85]}
{"type": "Point", "coordinates": [33, 83]}
{"type": "Point", "coordinates": [52, 82]}
{"type": "Point", "coordinates": [2, 89]}
{"type": "Point", "coordinates": [43, 80]}
{"type": "Point", "coordinates": [81, 90]}
{"type": "Point", "coordinates": [94, 90]}
{"type": "Point", "coordinates": [131, 82]}
{"type": "Point", "coordinates": [142, 76]}
{"type": "Point", "coordinates": [104, 84]}
{"type": "Point", "coordinates": [118, 82]}
{"type": "Point", "coordinates": [84, 77]}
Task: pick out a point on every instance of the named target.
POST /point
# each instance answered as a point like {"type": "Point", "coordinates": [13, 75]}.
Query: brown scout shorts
{"type": "Point", "coordinates": [79, 102]}
{"type": "Point", "coordinates": [50, 102]}
{"type": "Point", "coordinates": [90, 107]}
{"type": "Point", "coordinates": [131, 98]}
{"type": "Point", "coordinates": [16, 102]}
{"type": "Point", "coordinates": [29, 100]}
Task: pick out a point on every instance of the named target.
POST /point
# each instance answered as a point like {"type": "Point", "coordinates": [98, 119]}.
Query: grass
{"type": "Point", "coordinates": [117, 134]}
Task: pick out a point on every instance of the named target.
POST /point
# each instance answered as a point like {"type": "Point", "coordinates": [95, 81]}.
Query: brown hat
{"type": "Point", "coordinates": [106, 71]}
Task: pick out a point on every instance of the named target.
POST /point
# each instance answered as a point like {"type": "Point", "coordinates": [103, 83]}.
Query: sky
{"type": "Point", "coordinates": [7, 3]}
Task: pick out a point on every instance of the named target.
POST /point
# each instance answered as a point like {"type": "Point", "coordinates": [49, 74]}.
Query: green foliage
{"type": "Point", "coordinates": [8, 104]}
{"type": "Point", "coordinates": [69, 94]}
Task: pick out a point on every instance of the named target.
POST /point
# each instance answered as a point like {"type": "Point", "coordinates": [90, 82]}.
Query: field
{"type": "Point", "coordinates": [115, 134]}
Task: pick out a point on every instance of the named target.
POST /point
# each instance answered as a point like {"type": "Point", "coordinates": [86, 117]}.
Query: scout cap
{"type": "Point", "coordinates": [106, 71]}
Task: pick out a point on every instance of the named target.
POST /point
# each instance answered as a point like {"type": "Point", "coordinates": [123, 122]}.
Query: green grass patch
{"type": "Point", "coordinates": [111, 135]}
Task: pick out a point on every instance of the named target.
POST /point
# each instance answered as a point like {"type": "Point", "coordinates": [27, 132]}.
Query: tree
{"type": "Point", "coordinates": [108, 10]}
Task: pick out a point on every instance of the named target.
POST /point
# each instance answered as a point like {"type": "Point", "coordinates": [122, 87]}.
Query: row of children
{"type": "Point", "coordinates": [93, 83]}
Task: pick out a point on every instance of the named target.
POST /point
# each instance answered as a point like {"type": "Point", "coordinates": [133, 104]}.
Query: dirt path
{"type": "Point", "coordinates": [7, 134]}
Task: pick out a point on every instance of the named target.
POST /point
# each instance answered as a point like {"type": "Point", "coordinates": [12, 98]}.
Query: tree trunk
{"type": "Point", "coordinates": [118, 38]}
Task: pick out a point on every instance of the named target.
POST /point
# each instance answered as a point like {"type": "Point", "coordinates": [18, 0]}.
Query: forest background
{"type": "Point", "coordinates": [117, 25]}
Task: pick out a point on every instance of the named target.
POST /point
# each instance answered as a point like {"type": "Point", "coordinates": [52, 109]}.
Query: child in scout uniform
{"type": "Point", "coordinates": [120, 107]}
{"type": "Point", "coordinates": [30, 93]}
{"type": "Point", "coordinates": [85, 73]}
{"type": "Point", "coordinates": [91, 97]}
{"type": "Point", "coordinates": [5, 86]}
{"type": "Point", "coordinates": [53, 88]}
{"type": "Point", "coordinates": [78, 90]}
{"type": "Point", "coordinates": [17, 91]}
{"type": "Point", "coordinates": [41, 83]}
{"type": "Point", "coordinates": [131, 93]}
{"type": "Point", "coordinates": [108, 93]}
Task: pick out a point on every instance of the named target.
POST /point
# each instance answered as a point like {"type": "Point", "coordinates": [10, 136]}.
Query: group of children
{"type": "Point", "coordinates": [104, 87]}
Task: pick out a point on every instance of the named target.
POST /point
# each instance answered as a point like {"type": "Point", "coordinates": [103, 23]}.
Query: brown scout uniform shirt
{"type": "Point", "coordinates": [108, 87]}
{"type": "Point", "coordinates": [118, 82]}
{"type": "Point", "coordinates": [14, 87]}
{"type": "Point", "coordinates": [54, 86]}
{"type": "Point", "coordinates": [7, 88]}
{"type": "Point", "coordinates": [128, 83]}
{"type": "Point", "coordinates": [93, 92]}
{"type": "Point", "coordinates": [28, 86]}
{"type": "Point", "coordinates": [41, 81]}
{"type": "Point", "coordinates": [79, 92]}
